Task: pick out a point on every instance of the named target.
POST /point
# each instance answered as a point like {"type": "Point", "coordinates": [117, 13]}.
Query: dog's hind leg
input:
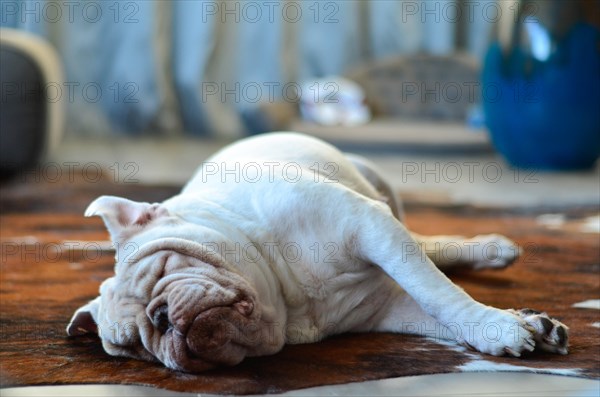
{"type": "Point", "coordinates": [371, 237]}
{"type": "Point", "coordinates": [374, 176]}
{"type": "Point", "coordinates": [403, 314]}
{"type": "Point", "coordinates": [434, 300]}
{"type": "Point", "coordinates": [480, 252]}
{"type": "Point", "coordinates": [383, 241]}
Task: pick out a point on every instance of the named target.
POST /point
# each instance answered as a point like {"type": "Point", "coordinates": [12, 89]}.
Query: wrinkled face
{"type": "Point", "coordinates": [171, 300]}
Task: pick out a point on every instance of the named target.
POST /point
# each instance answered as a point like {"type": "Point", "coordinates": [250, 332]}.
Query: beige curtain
{"type": "Point", "coordinates": [205, 67]}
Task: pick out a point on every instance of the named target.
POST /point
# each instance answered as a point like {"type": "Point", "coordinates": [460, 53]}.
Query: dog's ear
{"type": "Point", "coordinates": [85, 319]}
{"type": "Point", "coordinates": [120, 214]}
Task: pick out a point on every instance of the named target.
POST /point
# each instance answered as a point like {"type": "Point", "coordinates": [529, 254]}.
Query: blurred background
{"type": "Point", "coordinates": [423, 87]}
{"type": "Point", "coordinates": [207, 67]}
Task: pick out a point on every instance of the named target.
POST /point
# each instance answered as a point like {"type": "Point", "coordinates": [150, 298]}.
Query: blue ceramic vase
{"type": "Point", "coordinates": [541, 90]}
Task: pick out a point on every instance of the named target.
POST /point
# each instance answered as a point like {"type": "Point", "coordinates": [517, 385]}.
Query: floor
{"type": "Point", "coordinates": [455, 176]}
{"type": "Point", "coordinates": [475, 177]}
{"type": "Point", "coordinates": [445, 385]}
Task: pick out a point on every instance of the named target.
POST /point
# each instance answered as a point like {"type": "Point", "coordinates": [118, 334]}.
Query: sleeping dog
{"type": "Point", "coordinates": [281, 238]}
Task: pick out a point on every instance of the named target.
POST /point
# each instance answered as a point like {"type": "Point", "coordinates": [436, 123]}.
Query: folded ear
{"type": "Point", "coordinates": [84, 319]}
{"type": "Point", "coordinates": [119, 213]}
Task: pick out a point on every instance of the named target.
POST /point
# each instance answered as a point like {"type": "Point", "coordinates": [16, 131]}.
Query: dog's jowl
{"type": "Point", "coordinates": [282, 238]}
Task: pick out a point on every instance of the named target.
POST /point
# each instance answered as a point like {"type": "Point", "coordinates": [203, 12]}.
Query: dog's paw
{"type": "Point", "coordinates": [550, 334]}
{"type": "Point", "coordinates": [500, 332]}
{"type": "Point", "coordinates": [492, 251]}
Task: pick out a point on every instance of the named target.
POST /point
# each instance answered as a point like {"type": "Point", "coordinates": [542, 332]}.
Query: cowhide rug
{"type": "Point", "coordinates": [53, 260]}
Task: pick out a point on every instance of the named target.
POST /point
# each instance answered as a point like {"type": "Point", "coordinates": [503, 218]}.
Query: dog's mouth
{"type": "Point", "coordinates": [202, 323]}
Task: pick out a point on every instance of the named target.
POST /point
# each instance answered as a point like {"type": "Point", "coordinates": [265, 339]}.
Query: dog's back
{"type": "Point", "coordinates": [286, 155]}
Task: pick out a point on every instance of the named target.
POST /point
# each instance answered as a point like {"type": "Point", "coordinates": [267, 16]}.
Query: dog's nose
{"type": "Point", "coordinates": [160, 319]}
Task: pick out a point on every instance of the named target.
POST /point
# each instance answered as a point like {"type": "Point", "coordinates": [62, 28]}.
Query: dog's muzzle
{"type": "Point", "coordinates": [204, 325]}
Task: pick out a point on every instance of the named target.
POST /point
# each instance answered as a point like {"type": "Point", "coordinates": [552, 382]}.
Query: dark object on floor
{"type": "Point", "coordinates": [32, 99]}
{"type": "Point", "coordinates": [51, 264]}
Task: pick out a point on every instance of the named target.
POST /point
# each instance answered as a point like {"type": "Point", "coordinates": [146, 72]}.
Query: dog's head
{"type": "Point", "coordinates": [171, 299]}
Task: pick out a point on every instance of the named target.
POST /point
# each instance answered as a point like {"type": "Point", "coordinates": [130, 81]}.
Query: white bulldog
{"type": "Point", "coordinates": [280, 239]}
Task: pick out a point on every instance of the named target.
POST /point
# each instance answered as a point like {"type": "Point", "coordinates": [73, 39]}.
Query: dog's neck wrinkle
{"type": "Point", "coordinates": [182, 246]}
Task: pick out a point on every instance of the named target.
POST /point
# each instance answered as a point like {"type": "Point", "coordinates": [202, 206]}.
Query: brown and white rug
{"type": "Point", "coordinates": [53, 260]}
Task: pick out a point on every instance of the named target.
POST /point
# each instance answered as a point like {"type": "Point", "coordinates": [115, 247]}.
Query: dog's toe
{"type": "Point", "coordinates": [494, 251]}
{"type": "Point", "coordinates": [550, 334]}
